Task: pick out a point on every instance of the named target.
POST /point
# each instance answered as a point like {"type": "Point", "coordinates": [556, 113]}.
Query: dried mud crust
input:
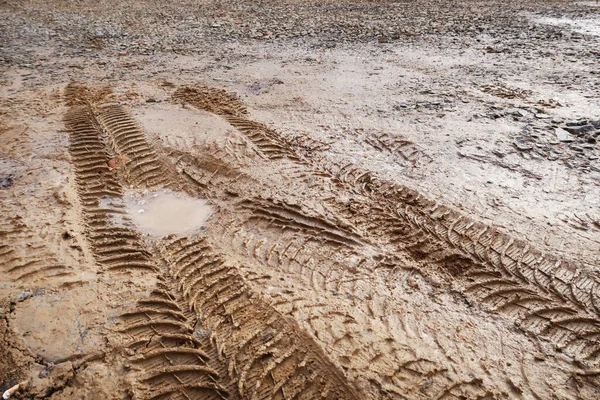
{"type": "Point", "coordinates": [542, 294]}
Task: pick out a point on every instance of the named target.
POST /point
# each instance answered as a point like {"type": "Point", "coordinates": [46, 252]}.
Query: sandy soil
{"type": "Point", "coordinates": [402, 197]}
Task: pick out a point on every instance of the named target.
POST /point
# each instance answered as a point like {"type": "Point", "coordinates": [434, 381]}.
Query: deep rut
{"type": "Point", "coordinates": [268, 353]}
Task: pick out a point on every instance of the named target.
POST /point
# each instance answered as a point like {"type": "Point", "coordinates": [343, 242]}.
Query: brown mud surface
{"type": "Point", "coordinates": [300, 200]}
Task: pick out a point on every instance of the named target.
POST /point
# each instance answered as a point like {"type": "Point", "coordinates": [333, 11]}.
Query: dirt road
{"type": "Point", "coordinates": [338, 200]}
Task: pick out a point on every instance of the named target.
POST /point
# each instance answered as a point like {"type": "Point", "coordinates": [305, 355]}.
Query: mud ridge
{"type": "Point", "coordinates": [115, 245]}
{"type": "Point", "coordinates": [144, 166]}
{"type": "Point", "coordinates": [541, 293]}
{"type": "Point", "coordinates": [268, 354]}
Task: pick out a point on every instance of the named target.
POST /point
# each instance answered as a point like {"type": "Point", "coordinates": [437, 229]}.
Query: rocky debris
{"type": "Point", "coordinates": [577, 148]}
{"type": "Point", "coordinates": [169, 26]}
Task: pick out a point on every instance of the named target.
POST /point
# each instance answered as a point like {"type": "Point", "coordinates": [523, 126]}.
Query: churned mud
{"type": "Point", "coordinates": [322, 200]}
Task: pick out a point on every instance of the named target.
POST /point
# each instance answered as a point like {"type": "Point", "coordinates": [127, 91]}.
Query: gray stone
{"type": "Point", "coordinates": [522, 145]}
{"type": "Point", "coordinates": [563, 135]}
{"type": "Point", "coordinates": [578, 130]}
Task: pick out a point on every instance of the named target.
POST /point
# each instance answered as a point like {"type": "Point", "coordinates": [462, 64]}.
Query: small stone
{"type": "Point", "coordinates": [563, 135]}
{"type": "Point", "coordinates": [24, 295]}
{"type": "Point", "coordinates": [523, 114]}
{"type": "Point", "coordinates": [578, 130]}
{"type": "Point", "coordinates": [522, 145]}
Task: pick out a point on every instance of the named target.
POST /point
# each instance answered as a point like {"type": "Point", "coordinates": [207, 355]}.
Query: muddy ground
{"type": "Point", "coordinates": [341, 200]}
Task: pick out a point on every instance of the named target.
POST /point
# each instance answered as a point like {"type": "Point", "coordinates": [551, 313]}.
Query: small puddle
{"type": "Point", "coordinates": [162, 213]}
{"type": "Point", "coordinates": [584, 26]}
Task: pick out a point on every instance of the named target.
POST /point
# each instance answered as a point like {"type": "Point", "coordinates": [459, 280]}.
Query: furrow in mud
{"type": "Point", "coordinates": [170, 358]}
{"type": "Point", "coordinates": [268, 354]}
{"type": "Point", "coordinates": [24, 258]}
{"type": "Point", "coordinates": [541, 293]}
{"type": "Point", "coordinates": [100, 193]}
{"type": "Point", "coordinates": [143, 165]}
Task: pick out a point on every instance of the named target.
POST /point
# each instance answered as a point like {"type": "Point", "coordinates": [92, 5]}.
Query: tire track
{"type": "Point", "coordinates": [167, 357]}
{"type": "Point", "coordinates": [544, 294]}
{"type": "Point", "coordinates": [356, 309]}
{"type": "Point", "coordinates": [171, 357]}
{"type": "Point", "coordinates": [144, 166]}
{"type": "Point", "coordinates": [264, 353]}
{"type": "Point", "coordinates": [267, 352]}
{"type": "Point", "coordinates": [541, 293]}
{"type": "Point", "coordinates": [216, 101]}
{"type": "Point", "coordinates": [24, 257]}
{"type": "Point", "coordinates": [226, 105]}
{"type": "Point", "coordinates": [115, 243]}
{"type": "Point", "coordinates": [288, 216]}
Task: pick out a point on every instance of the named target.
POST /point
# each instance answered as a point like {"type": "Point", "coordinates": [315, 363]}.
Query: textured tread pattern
{"type": "Point", "coordinates": [288, 216]}
{"type": "Point", "coordinates": [270, 143]}
{"type": "Point", "coordinates": [115, 244]}
{"type": "Point", "coordinates": [542, 293]}
{"type": "Point", "coordinates": [404, 151]}
{"type": "Point", "coordinates": [216, 101]}
{"type": "Point", "coordinates": [144, 167]}
{"type": "Point", "coordinates": [171, 359]}
{"type": "Point", "coordinates": [353, 312]}
{"type": "Point", "coordinates": [24, 257]}
{"type": "Point", "coordinates": [267, 353]}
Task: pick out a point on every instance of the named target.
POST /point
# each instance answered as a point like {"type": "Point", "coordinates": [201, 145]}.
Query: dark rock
{"type": "Point", "coordinates": [579, 129]}
{"type": "Point", "coordinates": [6, 181]}
{"type": "Point", "coordinates": [522, 145]}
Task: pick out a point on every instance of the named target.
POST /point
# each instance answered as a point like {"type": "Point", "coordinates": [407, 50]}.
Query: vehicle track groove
{"type": "Point", "coordinates": [261, 344]}
{"type": "Point", "coordinates": [541, 293]}
{"type": "Point", "coordinates": [144, 166]}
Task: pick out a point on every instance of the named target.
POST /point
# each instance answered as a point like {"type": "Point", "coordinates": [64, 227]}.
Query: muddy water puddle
{"type": "Point", "coordinates": [162, 213]}
{"type": "Point", "coordinates": [584, 26]}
